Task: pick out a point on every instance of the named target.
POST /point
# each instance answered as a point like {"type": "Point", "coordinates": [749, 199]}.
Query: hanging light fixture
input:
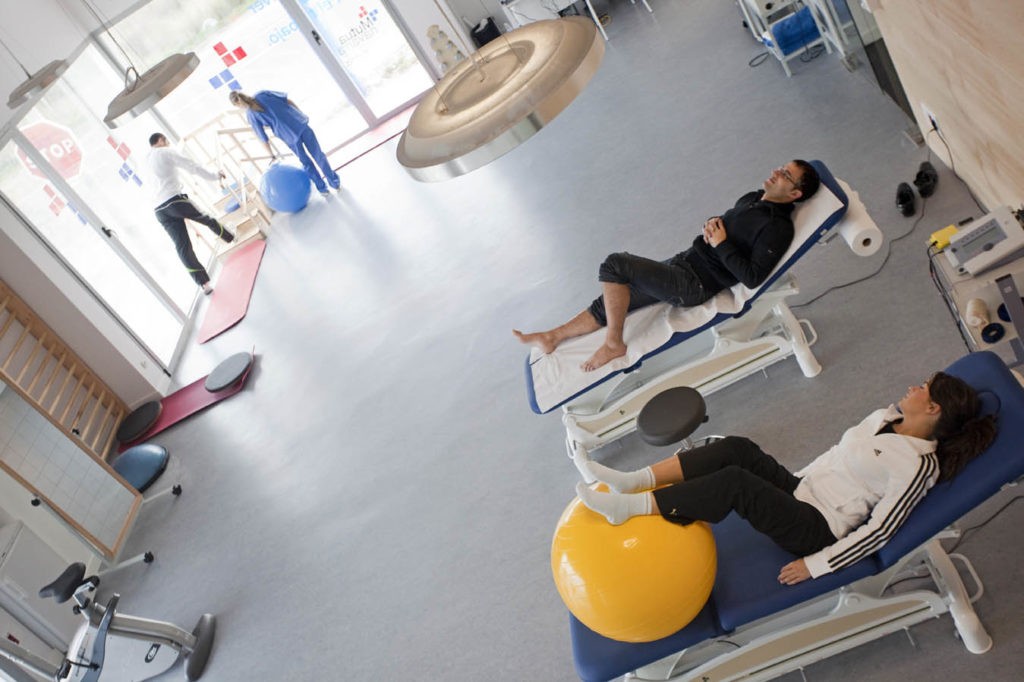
{"type": "Point", "coordinates": [34, 82]}
{"type": "Point", "coordinates": [499, 97]}
{"type": "Point", "coordinates": [140, 93]}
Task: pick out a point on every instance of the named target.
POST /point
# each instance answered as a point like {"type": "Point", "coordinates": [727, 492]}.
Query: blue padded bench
{"type": "Point", "coordinates": [814, 235]}
{"type": "Point", "coordinates": [747, 601]}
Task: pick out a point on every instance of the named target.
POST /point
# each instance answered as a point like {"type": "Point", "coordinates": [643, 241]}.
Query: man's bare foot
{"type": "Point", "coordinates": [603, 356]}
{"type": "Point", "coordinates": [543, 340]}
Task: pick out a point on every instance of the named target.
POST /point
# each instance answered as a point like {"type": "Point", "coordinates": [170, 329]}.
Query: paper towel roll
{"type": "Point", "coordinates": [857, 228]}
{"type": "Point", "coordinates": [864, 239]}
{"type": "Point", "coordinates": [976, 313]}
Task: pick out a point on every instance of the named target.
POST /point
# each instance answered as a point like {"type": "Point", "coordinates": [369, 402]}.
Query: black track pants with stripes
{"type": "Point", "coordinates": [172, 214]}
{"type": "Point", "coordinates": [734, 474]}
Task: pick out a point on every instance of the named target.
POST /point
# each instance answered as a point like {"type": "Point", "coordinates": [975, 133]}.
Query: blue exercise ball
{"type": "Point", "coordinates": [285, 188]}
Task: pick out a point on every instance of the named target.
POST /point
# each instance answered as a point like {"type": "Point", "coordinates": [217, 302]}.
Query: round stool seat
{"type": "Point", "coordinates": [228, 372]}
{"type": "Point", "coordinates": [141, 465]}
{"type": "Point", "coordinates": [138, 421]}
{"type": "Point", "coordinates": [671, 416]}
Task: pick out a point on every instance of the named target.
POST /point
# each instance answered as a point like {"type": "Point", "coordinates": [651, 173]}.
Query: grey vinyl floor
{"type": "Point", "coordinates": [378, 503]}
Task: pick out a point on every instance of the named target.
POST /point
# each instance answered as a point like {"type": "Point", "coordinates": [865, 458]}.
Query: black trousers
{"type": "Point", "coordinates": [172, 214]}
{"type": "Point", "coordinates": [650, 281]}
{"type": "Point", "coordinates": [734, 474]}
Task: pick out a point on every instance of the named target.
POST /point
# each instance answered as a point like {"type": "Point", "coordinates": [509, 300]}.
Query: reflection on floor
{"type": "Point", "coordinates": [371, 139]}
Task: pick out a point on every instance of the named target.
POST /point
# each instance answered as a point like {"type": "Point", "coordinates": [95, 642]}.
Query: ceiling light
{"type": "Point", "coordinates": [140, 93]}
{"type": "Point", "coordinates": [144, 91]}
{"type": "Point", "coordinates": [499, 97]}
{"type": "Point", "coordinates": [34, 82]}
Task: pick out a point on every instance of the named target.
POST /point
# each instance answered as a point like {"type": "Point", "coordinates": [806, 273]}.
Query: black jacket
{"type": "Point", "coordinates": [757, 235]}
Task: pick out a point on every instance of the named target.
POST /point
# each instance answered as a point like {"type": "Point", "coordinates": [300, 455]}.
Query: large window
{"type": "Point", "coordinates": [263, 45]}
{"type": "Point", "coordinates": [86, 250]}
{"type": "Point", "coordinates": [109, 169]}
{"type": "Point", "coordinates": [86, 189]}
{"type": "Point", "coordinates": [371, 49]}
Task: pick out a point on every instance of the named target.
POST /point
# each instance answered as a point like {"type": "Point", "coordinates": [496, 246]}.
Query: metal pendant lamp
{"type": "Point", "coordinates": [499, 97]}
{"type": "Point", "coordinates": [34, 82]}
{"type": "Point", "coordinates": [140, 93]}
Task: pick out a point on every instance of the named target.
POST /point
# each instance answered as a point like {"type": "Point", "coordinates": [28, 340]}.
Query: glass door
{"type": "Point", "coordinates": [376, 57]}
{"type": "Point", "coordinates": [107, 170]}
{"type": "Point", "coordinates": [356, 49]}
{"type": "Point", "coordinates": [241, 45]}
{"type": "Point", "coordinates": [62, 223]}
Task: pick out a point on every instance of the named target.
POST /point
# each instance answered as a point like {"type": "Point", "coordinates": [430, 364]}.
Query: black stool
{"type": "Point", "coordinates": [228, 372]}
{"type": "Point", "coordinates": [671, 416]}
{"type": "Point", "coordinates": [138, 421]}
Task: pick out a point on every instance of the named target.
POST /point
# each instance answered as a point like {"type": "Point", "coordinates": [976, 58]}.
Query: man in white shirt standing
{"type": "Point", "coordinates": [173, 205]}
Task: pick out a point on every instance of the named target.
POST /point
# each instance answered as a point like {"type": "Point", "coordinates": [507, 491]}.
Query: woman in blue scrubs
{"type": "Point", "coordinates": [274, 109]}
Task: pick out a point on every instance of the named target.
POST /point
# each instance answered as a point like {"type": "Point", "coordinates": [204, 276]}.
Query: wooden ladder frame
{"type": "Point", "coordinates": [50, 377]}
{"type": "Point", "coordinates": [225, 142]}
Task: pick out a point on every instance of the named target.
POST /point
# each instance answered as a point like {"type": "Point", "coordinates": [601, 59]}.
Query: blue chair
{"type": "Point", "coordinates": [141, 465]}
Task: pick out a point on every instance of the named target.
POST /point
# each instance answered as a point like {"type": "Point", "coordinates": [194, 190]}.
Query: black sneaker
{"type": "Point", "coordinates": [905, 199]}
{"type": "Point", "coordinates": [926, 179]}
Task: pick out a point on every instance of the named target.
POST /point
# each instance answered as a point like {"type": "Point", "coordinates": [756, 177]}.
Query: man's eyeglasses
{"type": "Point", "coordinates": [786, 174]}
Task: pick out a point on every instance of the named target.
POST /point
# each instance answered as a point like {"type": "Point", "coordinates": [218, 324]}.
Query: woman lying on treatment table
{"type": "Point", "coordinates": [838, 509]}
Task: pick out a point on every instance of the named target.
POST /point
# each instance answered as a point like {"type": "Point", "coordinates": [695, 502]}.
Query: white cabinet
{"type": "Point", "coordinates": [14, 631]}
{"type": "Point", "coordinates": [26, 565]}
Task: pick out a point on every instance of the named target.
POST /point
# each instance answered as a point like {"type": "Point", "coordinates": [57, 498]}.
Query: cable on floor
{"type": "Point", "coordinates": [924, 203]}
{"type": "Point", "coordinates": [888, 253]}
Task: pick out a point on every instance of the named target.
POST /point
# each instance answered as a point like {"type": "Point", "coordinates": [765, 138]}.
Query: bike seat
{"type": "Point", "coordinates": [64, 587]}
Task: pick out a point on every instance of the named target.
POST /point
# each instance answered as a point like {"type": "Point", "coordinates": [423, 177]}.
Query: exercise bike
{"type": "Point", "coordinates": [88, 651]}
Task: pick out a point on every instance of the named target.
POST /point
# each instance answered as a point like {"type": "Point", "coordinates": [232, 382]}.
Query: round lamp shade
{"type": "Point", "coordinates": [499, 97]}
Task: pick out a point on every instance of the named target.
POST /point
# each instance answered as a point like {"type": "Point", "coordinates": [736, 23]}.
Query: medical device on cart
{"type": "Point", "coordinates": [988, 242]}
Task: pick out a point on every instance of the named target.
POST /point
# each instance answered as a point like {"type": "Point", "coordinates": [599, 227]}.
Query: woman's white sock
{"type": "Point", "coordinates": [616, 507]}
{"type": "Point", "coordinates": [619, 481]}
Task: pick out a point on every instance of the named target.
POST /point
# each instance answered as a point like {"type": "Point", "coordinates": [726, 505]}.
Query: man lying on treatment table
{"type": "Point", "coordinates": [742, 245]}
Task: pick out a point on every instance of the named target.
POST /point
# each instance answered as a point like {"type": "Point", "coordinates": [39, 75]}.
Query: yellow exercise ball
{"type": "Point", "coordinates": [636, 582]}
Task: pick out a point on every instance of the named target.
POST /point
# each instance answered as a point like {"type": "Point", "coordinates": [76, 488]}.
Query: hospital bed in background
{"type": "Point", "coordinates": [754, 628]}
{"type": "Point", "coordinates": [746, 331]}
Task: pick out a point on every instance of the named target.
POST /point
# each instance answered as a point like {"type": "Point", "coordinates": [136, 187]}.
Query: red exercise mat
{"type": "Point", "coordinates": [230, 298]}
{"type": "Point", "coordinates": [184, 403]}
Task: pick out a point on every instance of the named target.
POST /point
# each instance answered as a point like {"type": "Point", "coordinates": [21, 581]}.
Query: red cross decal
{"type": "Point", "coordinates": [229, 57]}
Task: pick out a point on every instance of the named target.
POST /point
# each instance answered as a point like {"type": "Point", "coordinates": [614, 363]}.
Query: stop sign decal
{"type": "Point", "coordinates": [57, 144]}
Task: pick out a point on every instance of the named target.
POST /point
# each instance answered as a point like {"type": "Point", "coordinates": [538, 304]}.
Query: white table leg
{"type": "Point", "coordinates": [597, 20]}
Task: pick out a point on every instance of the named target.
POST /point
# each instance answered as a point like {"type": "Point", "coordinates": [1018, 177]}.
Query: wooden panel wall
{"type": "Point", "coordinates": [963, 60]}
